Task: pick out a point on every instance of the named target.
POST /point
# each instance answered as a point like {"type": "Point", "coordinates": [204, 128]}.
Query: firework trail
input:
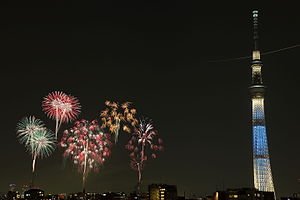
{"type": "Point", "coordinates": [61, 107]}
{"type": "Point", "coordinates": [116, 116]}
{"type": "Point", "coordinates": [38, 140]}
{"type": "Point", "coordinates": [144, 143]}
{"type": "Point", "coordinates": [87, 145]}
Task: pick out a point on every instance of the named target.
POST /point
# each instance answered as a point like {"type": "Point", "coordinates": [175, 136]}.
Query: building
{"type": "Point", "coordinates": [83, 196]}
{"type": "Point", "coordinates": [263, 179]}
{"type": "Point", "coordinates": [12, 187]}
{"type": "Point", "coordinates": [162, 192]}
{"type": "Point", "coordinates": [290, 198]}
{"type": "Point", "coordinates": [243, 194]}
{"type": "Point", "coordinates": [295, 196]}
{"type": "Point", "coordinates": [2, 196]}
{"type": "Point", "coordinates": [138, 196]}
{"type": "Point", "coordinates": [76, 196]}
{"type": "Point", "coordinates": [34, 194]}
{"type": "Point", "coordinates": [24, 188]}
{"type": "Point", "coordinates": [113, 196]}
{"type": "Point", "coordinates": [55, 197]}
{"type": "Point", "coordinates": [13, 195]}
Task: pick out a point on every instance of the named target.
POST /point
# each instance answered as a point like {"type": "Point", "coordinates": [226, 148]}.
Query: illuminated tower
{"type": "Point", "coordinates": [263, 180]}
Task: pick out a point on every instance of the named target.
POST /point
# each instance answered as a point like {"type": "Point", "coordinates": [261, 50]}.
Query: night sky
{"type": "Point", "coordinates": [155, 54]}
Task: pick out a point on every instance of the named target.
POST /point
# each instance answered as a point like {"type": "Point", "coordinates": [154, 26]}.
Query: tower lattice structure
{"type": "Point", "coordinates": [263, 179]}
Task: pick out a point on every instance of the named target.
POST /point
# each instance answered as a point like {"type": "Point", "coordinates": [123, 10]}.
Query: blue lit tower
{"type": "Point", "coordinates": [263, 180]}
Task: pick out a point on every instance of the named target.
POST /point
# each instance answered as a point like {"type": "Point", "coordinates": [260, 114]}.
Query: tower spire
{"type": "Point", "coordinates": [255, 28]}
{"type": "Point", "coordinates": [256, 62]}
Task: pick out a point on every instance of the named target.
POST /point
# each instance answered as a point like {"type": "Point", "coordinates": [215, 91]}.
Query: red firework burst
{"type": "Point", "coordinates": [86, 145]}
{"type": "Point", "coordinates": [61, 107]}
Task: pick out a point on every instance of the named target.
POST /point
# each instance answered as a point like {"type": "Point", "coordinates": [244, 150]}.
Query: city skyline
{"type": "Point", "coordinates": [158, 56]}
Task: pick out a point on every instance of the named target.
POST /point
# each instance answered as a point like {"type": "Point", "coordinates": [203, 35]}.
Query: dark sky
{"type": "Point", "coordinates": [155, 54]}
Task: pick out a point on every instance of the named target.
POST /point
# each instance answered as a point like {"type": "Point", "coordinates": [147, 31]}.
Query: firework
{"type": "Point", "coordinates": [37, 139]}
{"type": "Point", "coordinates": [143, 144]}
{"type": "Point", "coordinates": [61, 107]}
{"type": "Point", "coordinates": [87, 146]}
{"type": "Point", "coordinates": [116, 116]}
{"type": "Point", "coordinates": [26, 129]}
{"type": "Point", "coordinates": [42, 145]}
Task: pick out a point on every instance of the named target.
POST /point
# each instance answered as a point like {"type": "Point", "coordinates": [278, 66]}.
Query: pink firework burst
{"type": "Point", "coordinates": [87, 146]}
{"type": "Point", "coordinates": [61, 107]}
{"type": "Point", "coordinates": [143, 144]}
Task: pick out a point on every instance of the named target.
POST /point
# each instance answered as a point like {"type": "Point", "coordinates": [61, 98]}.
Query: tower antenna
{"type": "Point", "coordinates": [255, 28]}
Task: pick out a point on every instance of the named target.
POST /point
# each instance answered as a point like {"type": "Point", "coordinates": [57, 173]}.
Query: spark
{"type": "Point", "coordinates": [26, 129]}
{"type": "Point", "coordinates": [42, 145]}
{"type": "Point", "coordinates": [61, 107]}
{"type": "Point", "coordinates": [87, 146]}
{"type": "Point", "coordinates": [38, 140]}
{"type": "Point", "coordinates": [143, 144]}
{"type": "Point", "coordinates": [115, 116]}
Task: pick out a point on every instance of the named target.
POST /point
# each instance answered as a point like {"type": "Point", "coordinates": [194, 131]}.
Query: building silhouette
{"type": "Point", "coordinates": [295, 196]}
{"type": "Point", "coordinates": [243, 194]}
{"type": "Point", "coordinates": [138, 196]}
{"type": "Point", "coordinates": [162, 192]}
{"type": "Point", "coordinates": [34, 194]}
{"type": "Point", "coordinates": [13, 195]}
{"type": "Point", "coordinates": [113, 196]}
